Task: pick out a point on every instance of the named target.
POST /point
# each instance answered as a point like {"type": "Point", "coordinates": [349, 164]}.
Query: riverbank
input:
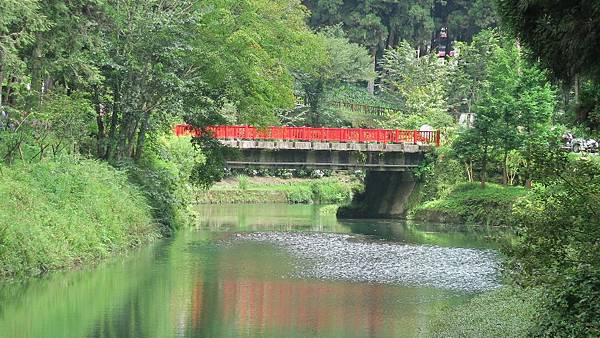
{"type": "Point", "coordinates": [68, 212]}
{"type": "Point", "coordinates": [468, 203]}
{"type": "Point", "coordinates": [337, 189]}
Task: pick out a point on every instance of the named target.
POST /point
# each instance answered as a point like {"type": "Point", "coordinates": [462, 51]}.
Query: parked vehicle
{"type": "Point", "coordinates": [591, 146]}
{"type": "Point", "coordinates": [577, 145]}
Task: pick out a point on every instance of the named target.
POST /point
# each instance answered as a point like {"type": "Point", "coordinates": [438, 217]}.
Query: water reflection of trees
{"type": "Point", "coordinates": [188, 286]}
{"type": "Point", "coordinates": [448, 235]}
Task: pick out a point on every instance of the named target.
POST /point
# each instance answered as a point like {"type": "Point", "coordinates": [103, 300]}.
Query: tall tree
{"type": "Point", "coordinates": [563, 35]}
{"type": "Point", "coordinates": [19, 23]}
{"type": "Point", "coordinates": [341, 62]}
{"type": "Point", "coordinates": [380, 24]}
{"type": "Point", "coordinates": [513, 102]}
{"type": "Point", "coordinates": [419, 83]}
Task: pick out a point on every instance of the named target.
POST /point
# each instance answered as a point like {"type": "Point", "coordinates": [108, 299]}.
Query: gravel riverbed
{"type": "Point", "coordinates": [358, 259]}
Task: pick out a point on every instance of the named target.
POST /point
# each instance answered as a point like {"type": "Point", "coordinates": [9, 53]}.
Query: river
{"type": "Point", "coordinates": [262, 271]}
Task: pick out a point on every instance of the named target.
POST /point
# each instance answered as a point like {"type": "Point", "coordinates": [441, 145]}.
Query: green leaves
{"type": "Point", "coordinates": [418, 82]}
{"type": "Point", "coordinates": [512, 99]}
{"type": "Point", "coordinates": [335, 60]}
{"type": "Point", "coordinates": [558, 226]}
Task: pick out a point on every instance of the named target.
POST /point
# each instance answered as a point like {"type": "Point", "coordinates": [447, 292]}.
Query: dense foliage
{"type": "Point", "coordinates": [384, 24]}
{"type": "Point", "coordinates": [469, 203]}
{"type": "Point", "coordinates": [62, 213]}
{"type": "Point", "coordinates": [415, 82]}
{"type": "Point", "coordinates": [107, 78]}
{"type": "Point", "coordinates": [563, 34]}
{"type": "Point", "coordinates": [558, 222]}
{"type": "Point", "coordinates": [513, 102]}
{"type": "Point", "coordinates": [558, 240]}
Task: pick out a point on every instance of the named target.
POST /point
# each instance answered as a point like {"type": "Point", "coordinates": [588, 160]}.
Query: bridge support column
{"type": "Point", "coordinates": [387, 194]}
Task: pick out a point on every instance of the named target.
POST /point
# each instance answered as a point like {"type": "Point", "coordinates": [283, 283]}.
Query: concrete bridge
{"type": "Point", "coordinates": [386, 155]}
{"type": "Point", "coordinates": [326, 155]}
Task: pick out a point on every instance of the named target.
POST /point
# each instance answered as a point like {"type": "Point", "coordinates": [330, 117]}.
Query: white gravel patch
{"type": "Point", "coordinates": [347, 258]}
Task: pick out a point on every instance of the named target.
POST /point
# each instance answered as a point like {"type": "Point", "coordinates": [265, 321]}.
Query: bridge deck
{"type": "Point", "coordinates": [322, 148]}
{"type": "Point", "coordinates": [309, 134]}
{"type": "Point", "coordinates": [317, 165]}
{"type": "Point", "coordinates": [333, 146]}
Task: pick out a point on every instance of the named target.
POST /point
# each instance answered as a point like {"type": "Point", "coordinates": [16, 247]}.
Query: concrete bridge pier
{"type": "Point", "coordinates": [388, 194]}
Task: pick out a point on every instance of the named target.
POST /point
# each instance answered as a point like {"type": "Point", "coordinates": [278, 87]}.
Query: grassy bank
{"type": "Point", "coordinates": [67, 212]}
{"type": "Point", "coordinates": [469, 203]}
{"type": "Point", "coordinates": [506, 312]}
{"type": "Point", "coordinates": [242, 189]}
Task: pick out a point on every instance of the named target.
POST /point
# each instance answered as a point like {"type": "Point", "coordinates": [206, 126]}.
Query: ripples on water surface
{"type": "Point", "coordinates": [262, 271]}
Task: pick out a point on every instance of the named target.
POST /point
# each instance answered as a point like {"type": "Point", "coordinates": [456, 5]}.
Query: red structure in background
{"type": "Point", "coordinates": [314, 134]}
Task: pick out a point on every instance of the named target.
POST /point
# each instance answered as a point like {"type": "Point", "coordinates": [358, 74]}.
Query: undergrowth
{"type": "Point", "coordinates": [469, 203]}
{"type": "Point", "coordinates": [308, 191]}
{"type": "Point", "coordinates": [66, 212]}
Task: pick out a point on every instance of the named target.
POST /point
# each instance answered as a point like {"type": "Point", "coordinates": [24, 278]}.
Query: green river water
{"type": "Point", "coordinates": [192, 286]}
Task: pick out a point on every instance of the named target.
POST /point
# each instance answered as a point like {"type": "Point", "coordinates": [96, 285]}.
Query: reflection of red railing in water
{"type": "Point", "coordinates": [315, 134]}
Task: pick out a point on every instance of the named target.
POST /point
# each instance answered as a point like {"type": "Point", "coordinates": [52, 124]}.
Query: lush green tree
{"type": "Point", "coordinates": [562, 35]}
{"type": "Point", "coordinates": [248, 52]}
{"type": "Point", "coordinates": [465, 18]}
{"type": "Point", "coordinates": [341, 62]}
{"type": "Point", "coordinates": [471, 70]}
{"type": "Point", "coordinates": [558, 227]}
{"type": "Point", "coordinates": [535, 105]}
{"type": "Point", "coordinates": [383, 24]}
{"type": "Point", "coordinates": [146, 71]}
{"type": "Point", "coordinates": [419, 84]}
{"type": "Point", "coordinates": [513, 101]}
{"type": "Point", "coordinates": [19, 23]}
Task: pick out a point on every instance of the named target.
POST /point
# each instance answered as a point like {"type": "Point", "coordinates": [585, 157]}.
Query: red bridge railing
{"type": "Point", "coordinates": [315, 134]}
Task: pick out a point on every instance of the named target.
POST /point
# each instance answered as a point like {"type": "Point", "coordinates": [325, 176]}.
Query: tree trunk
{"type": "Point", "coordinates": [36, 78]}
{"type": "Point", "coordinates": [114, 119]}
{"type": "Point", "coordinates": [483, 173]}
{"type": "Point", "coordinates": [130, 138]}
{"type": "Point", "coordinates": [371, 84]}
{"type": "Point", "coordinates": [139, 148]}
{"type": "Point", "coordinates": [391, 42]}
{"type": "Point", "coordinates": [10, 97]}
{"type": "Point", "coordinates": [577, 89]}
{"type": "Point", "coordinates": [505, 168]}
{"type": "Point", "coordinates": [124, 130]}
{"type": "Point", "coordinates": [469, 169]}
{"type": "Point", "coordinates": [48, 84]}
{"type": "Point", "coordinates": [566, 94]}
{"type": "Point", "coordinates": [313, 93]}
{"type": "Point", "coordinates": [100, 122]}
{"type": "Point", "coordinates": [527, 174]}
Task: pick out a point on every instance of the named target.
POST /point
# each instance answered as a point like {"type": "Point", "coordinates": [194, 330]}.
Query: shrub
{"type": "Point", "coordinates": [299, 194]}
{"type": "Point", "coordinates": [468, 202]}
{"type": "Point", "coordinates": [331, 192]}
{"type": "Point", "coordinates": [557, 244]}
{"type": "Point", "coordinates": [243, 182]}
{"type": "Point", "coordinates": [163, 174]}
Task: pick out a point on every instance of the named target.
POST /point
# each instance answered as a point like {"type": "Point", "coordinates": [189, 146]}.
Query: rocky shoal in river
{"type": "Point", "coordinates": [352, 258]}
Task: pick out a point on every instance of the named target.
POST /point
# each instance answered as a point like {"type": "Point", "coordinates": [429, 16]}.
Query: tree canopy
{"type": "Point", "coordinates": [564, 34]}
